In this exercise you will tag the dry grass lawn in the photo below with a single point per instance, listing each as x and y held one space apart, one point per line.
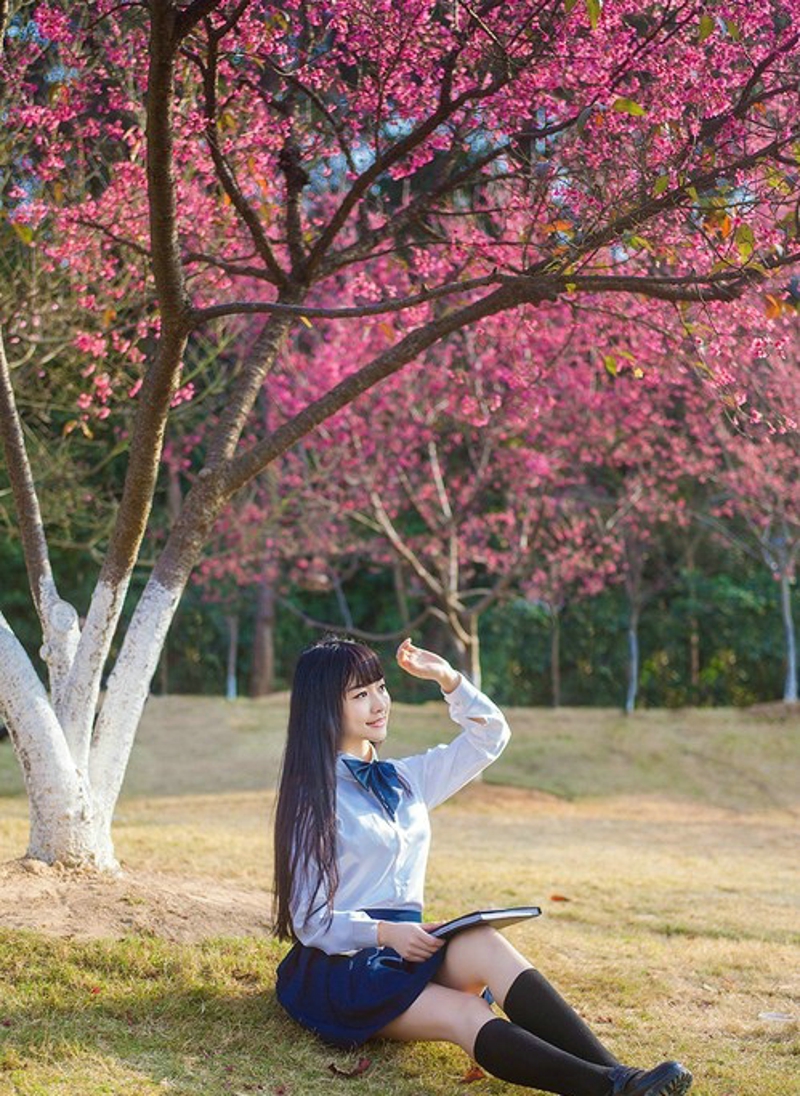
671 917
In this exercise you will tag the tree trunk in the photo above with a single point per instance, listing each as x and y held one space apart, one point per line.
790 684
72 791
555 656
468 649
694 625
262 674
64 822
232 620
633 661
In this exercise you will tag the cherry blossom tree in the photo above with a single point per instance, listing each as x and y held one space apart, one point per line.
447 472
417 167
642 422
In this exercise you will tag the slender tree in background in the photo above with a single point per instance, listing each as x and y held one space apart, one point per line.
758 454
413 165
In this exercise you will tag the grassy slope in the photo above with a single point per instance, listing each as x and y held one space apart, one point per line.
679 935
724 756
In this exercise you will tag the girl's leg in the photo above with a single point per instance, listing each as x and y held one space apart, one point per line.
482 957
441 1014
503 1048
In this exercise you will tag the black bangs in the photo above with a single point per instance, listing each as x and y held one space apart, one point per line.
365 666
338 664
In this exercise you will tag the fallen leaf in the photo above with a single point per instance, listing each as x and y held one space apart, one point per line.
559 898
361 1067
474 1073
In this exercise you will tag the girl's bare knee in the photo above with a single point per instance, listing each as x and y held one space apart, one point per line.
472 1015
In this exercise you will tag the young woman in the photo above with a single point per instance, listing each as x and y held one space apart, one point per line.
351 845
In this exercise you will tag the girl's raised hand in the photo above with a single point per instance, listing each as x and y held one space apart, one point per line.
427 665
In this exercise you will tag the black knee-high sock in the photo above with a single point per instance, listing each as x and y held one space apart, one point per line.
539 1008
513 1054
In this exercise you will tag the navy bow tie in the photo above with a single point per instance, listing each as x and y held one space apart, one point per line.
381 779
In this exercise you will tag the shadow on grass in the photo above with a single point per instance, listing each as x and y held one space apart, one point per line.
142 1016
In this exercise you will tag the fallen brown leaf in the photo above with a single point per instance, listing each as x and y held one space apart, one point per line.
361 1067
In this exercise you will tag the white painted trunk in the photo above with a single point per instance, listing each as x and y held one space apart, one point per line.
73 786
63 820
633 665
127 690
61 638
790 683
82 687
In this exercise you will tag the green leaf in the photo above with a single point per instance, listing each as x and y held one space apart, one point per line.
721 266
628 106
610 362
25 232
706 28
745 242
660 185
692 192
569 5
594 7
733 30
640 243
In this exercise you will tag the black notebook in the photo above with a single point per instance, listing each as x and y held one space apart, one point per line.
499 919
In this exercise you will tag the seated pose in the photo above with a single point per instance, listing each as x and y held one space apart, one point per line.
351 845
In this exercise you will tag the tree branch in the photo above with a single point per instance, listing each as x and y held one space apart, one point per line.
226 176
673 199
4 13
395 304
444 110
356 633
58 618
26 501
386 525
256 459
723 286
190 16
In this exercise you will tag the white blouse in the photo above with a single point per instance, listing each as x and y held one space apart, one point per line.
381 861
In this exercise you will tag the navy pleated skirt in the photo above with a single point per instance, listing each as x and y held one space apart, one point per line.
346 999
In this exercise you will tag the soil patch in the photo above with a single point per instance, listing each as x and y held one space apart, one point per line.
83 905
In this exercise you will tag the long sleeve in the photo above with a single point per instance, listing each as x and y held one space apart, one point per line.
443 770
346 931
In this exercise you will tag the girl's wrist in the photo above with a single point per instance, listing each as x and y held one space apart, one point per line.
450 681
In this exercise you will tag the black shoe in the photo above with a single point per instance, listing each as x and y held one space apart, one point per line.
668 1079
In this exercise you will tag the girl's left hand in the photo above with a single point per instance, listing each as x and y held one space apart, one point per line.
427 665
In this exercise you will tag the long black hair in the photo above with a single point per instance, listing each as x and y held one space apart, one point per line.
305 816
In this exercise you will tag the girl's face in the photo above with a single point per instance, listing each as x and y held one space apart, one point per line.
365 717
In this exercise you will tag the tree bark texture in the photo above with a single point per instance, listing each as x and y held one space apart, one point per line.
262 675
